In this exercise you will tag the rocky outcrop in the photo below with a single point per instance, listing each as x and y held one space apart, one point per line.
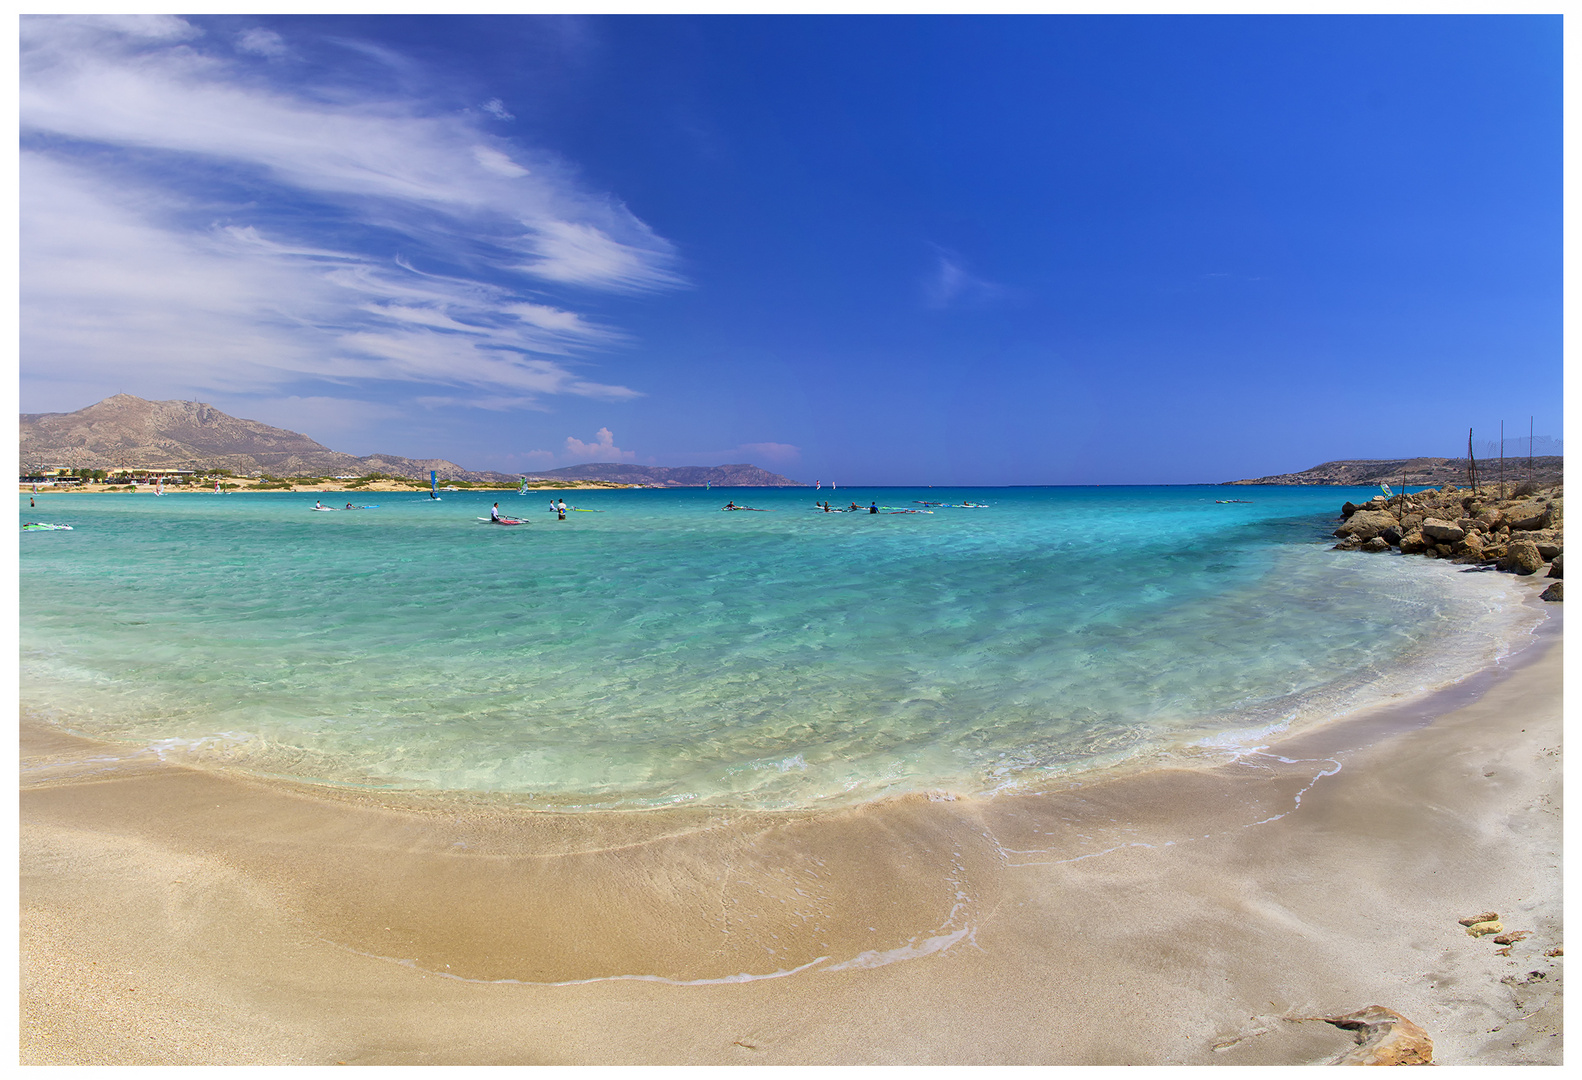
1366 524
1442 532
1522 557
1528 517
1518 535
1384 1037
1555 592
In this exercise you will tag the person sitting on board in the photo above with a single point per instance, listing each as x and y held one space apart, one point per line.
348 506
318 504
494 514
730 504
853 506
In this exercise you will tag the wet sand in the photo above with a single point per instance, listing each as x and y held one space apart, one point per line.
172 915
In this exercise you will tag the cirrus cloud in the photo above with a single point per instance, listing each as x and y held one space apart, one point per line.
189 216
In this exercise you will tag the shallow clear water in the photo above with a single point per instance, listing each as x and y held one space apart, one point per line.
664 652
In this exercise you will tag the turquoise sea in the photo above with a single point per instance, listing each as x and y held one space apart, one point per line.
661 652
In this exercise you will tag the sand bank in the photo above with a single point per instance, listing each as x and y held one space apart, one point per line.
178 916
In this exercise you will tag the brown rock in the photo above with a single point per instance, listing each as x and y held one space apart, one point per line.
1525 517
1442 532
1471 547
1554 567
1376 545
1384 1037
1555 592
1350 543
1413 541
1487 916
1412 520
1556 951
1521 557
1511 937
1492 518
1484 929
1366 524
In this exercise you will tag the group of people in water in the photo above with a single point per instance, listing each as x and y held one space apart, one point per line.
873 508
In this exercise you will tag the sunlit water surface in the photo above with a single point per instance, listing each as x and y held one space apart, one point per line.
662 652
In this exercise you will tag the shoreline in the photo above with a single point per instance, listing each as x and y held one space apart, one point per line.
176 915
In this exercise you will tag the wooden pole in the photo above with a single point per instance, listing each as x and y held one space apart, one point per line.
1472 464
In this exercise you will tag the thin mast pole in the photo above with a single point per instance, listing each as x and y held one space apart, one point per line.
1472 464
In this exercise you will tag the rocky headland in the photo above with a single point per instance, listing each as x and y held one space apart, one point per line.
1520 531
1359 472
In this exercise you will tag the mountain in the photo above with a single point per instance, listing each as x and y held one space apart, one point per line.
129 432
1435 471
662 476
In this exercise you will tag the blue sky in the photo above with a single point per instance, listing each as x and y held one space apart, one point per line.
1015 250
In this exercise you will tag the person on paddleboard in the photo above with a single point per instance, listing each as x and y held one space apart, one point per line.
494 514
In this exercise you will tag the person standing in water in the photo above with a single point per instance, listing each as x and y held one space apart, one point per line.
873 507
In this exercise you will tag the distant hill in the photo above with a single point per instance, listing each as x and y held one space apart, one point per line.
1428 471
662 476
130 432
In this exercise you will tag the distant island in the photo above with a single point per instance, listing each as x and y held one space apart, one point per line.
125 434
1425 471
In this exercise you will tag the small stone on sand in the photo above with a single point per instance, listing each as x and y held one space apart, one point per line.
1481 929
1384 1037
1487 916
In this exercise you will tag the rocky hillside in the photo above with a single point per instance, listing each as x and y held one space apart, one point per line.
662 476
129 432
1415 471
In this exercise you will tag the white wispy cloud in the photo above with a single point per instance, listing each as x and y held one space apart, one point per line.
951 284
263 42
602 448
183 215
496 108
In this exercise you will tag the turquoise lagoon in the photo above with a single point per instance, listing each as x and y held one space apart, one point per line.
661 652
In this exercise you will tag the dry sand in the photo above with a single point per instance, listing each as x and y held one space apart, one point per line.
1190 916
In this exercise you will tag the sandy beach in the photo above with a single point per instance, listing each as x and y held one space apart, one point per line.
171 915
